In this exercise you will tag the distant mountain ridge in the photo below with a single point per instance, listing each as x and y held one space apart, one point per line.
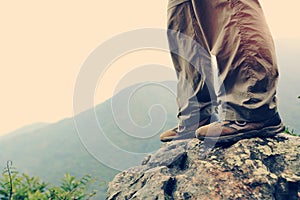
26 129
52 150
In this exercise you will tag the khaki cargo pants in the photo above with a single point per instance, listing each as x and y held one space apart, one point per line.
236 33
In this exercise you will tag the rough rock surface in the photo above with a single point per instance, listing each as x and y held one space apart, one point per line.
254 168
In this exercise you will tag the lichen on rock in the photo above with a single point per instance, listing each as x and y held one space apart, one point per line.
257 168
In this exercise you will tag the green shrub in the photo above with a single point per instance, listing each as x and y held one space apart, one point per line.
16 186
291 132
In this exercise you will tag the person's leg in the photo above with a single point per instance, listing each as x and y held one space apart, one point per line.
247 65
196 97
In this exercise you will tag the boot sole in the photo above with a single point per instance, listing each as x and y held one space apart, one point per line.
269 131
188 135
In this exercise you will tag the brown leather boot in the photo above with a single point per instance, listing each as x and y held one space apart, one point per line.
179 132
231 131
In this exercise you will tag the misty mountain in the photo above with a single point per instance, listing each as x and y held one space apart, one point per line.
49 151
288 53
26 129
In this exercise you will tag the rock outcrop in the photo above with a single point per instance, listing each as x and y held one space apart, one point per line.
254 168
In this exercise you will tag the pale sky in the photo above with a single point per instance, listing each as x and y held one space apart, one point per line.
44 43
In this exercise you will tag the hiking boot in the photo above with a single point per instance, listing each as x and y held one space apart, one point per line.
180 132
231 131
